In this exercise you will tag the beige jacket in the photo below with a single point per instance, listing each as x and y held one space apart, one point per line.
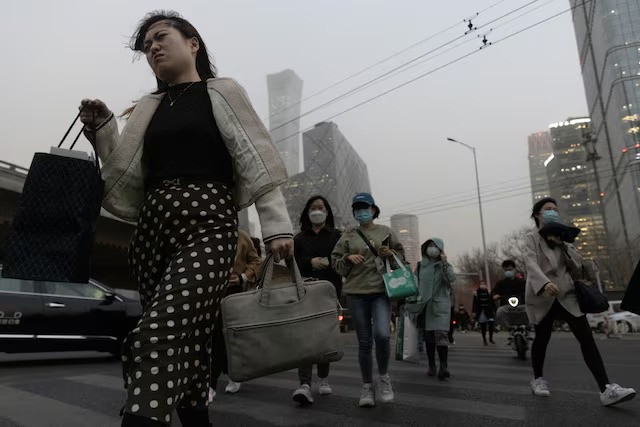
545 265
257 166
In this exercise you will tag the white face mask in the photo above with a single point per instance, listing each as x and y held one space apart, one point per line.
433 252
317 217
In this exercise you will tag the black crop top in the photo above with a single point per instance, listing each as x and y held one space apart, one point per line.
183 140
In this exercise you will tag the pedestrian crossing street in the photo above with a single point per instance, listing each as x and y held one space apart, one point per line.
488 387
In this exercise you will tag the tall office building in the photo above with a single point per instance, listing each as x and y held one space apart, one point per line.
540 154
608 36
572 184
407 230
285 96
333 169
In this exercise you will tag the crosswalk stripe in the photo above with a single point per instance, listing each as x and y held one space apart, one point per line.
427 402
457 383
287 414
493 410
33 410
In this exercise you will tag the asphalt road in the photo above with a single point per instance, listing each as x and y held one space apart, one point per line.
489 387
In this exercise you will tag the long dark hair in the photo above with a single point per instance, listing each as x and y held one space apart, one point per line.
204 65
537 208
305 222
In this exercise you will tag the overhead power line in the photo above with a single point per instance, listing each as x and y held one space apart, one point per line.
382 61
432 71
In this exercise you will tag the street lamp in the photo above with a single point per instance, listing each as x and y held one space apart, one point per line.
484 241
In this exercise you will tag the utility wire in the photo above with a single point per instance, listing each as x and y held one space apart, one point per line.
352 91
382 61
435 70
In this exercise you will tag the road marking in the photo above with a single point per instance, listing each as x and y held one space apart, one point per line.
493 410
33 410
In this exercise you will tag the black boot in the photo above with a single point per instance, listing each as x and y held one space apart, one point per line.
443 373
194 417
431 357
491 330
130 420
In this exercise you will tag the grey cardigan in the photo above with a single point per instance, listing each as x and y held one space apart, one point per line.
545 265
258 168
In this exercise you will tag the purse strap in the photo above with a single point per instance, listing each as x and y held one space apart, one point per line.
267 275
361 234
94 133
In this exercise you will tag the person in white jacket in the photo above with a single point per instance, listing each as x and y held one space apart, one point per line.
191 154
552 268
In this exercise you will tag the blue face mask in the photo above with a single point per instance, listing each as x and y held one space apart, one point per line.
549 217
509 274
364 216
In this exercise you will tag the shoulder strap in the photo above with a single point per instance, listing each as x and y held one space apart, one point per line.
373 250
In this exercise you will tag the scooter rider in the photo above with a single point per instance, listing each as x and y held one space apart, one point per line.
510 286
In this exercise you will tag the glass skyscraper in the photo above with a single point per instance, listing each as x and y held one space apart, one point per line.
406 227
608 36
572 184
285 96
333 169
540 154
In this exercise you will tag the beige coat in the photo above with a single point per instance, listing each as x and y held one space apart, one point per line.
546 265
258 168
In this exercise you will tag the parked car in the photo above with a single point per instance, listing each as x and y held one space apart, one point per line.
56 316
625 321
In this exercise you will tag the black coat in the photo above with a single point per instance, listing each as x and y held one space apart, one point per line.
483 302
310 245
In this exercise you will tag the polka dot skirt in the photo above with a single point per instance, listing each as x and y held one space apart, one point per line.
181 254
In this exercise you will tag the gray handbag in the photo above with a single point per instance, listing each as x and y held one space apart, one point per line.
280 327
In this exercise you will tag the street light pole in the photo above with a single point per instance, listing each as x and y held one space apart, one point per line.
484 241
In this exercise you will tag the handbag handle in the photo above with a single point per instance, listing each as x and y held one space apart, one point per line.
398 261
84 127
267 275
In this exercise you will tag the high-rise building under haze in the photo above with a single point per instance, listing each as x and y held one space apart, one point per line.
540 154
285 96
333 169
407 230
572 183
608 36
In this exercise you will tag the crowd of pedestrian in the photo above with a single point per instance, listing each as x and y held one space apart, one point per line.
189 157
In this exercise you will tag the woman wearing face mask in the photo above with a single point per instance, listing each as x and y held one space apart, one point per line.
435 277
484 308
552 268
357 257
313 246
190 155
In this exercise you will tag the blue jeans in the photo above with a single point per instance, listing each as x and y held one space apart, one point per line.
367 310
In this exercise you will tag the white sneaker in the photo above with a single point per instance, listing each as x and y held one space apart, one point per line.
386 392
232 387
212 394
540 387
303 395
325 388
615 394
367 399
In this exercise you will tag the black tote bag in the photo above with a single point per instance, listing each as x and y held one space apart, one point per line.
53 230
590 299
631 300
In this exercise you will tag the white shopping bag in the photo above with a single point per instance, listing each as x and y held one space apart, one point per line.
410 349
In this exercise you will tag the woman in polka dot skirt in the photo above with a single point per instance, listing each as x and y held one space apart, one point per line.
190 155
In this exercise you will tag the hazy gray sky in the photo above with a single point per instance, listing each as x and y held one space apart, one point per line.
57 53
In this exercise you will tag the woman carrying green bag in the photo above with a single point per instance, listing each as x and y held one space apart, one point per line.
435 276
358 257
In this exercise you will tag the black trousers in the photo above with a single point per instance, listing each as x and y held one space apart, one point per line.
581 330
305 374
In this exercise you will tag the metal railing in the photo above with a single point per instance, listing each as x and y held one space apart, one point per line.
13 169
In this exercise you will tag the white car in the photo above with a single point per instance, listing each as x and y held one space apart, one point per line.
626 321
